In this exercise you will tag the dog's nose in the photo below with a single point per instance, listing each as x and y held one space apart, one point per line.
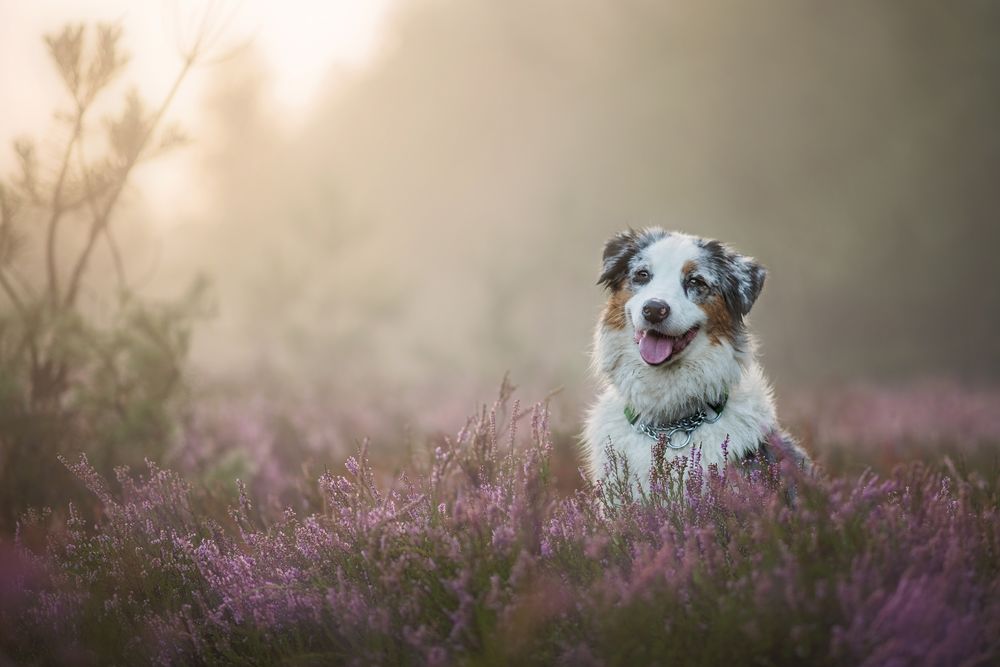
655 311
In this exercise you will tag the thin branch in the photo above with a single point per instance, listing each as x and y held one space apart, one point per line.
223 24
116 257
231 53
215 21
91 199
209 31
6 234
57 210
101 220
71 205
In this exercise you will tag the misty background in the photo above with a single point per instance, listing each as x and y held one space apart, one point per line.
433 215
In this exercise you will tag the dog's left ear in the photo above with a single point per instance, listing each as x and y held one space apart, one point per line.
618 252
741 278
746 280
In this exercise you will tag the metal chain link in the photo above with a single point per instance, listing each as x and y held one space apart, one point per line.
686 425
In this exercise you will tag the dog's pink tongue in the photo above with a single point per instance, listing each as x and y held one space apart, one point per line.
655 349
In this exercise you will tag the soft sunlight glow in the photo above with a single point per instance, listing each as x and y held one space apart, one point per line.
299 42
302 40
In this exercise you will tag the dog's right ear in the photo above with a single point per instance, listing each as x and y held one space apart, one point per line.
618 252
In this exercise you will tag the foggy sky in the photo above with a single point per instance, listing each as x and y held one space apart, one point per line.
439 217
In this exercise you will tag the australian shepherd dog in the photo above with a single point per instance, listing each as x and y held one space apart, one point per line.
675 357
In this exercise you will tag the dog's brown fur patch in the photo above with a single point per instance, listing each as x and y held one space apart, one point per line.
688 268
614 312
720 320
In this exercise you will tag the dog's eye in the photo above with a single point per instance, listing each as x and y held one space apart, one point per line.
641 276
695 283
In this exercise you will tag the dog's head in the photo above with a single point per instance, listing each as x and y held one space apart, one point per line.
675 300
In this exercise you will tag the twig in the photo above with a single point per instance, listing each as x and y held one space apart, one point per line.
92 203
116 257
6 225
209 32
101 221
57 210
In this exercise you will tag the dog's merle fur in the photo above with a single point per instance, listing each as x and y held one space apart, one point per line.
709 288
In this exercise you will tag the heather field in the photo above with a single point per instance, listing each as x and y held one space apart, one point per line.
262 265
488 547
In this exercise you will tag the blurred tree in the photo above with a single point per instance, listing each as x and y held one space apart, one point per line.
73 378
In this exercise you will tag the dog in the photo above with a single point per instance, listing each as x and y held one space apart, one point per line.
676 359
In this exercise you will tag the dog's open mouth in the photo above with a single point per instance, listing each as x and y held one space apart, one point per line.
655 348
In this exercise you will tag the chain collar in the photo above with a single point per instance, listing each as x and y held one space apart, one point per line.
686 425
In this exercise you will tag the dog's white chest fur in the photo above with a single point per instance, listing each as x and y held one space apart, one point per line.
748 417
